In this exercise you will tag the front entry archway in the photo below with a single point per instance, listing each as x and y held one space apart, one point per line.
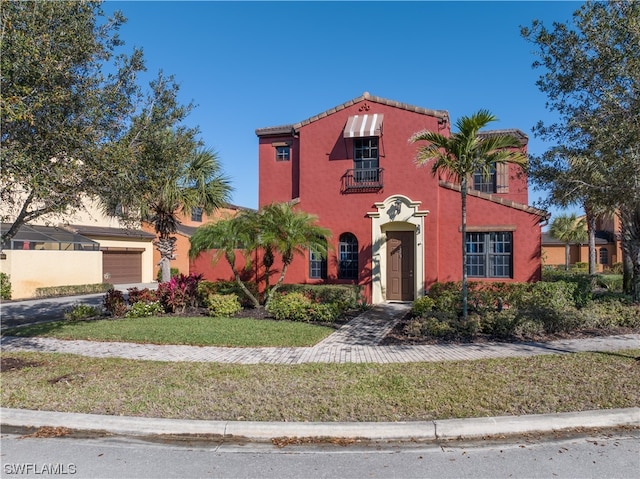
400 265
397 239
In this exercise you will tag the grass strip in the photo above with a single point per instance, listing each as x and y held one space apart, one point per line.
194 331
322 392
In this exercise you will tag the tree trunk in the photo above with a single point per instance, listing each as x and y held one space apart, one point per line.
273 290
165 269
567 247
232 263
465 291
166 246
591 229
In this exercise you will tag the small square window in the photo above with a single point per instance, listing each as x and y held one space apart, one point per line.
283 153
196 215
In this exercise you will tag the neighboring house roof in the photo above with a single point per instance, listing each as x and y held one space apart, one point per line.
498 199
103 231
548 240
187 230
47 234
291 128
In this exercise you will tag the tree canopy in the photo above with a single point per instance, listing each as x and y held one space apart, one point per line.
591 76
76 123
58 106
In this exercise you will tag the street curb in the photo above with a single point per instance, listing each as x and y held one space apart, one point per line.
261 431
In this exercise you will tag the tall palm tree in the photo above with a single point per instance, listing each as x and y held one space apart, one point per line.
194 182
289 232
461 155
568 229
225 237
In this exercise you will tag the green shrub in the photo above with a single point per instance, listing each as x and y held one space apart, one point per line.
611 313
81 311
143 309
223 304
344 297
612 282
437 326
447 297
5 286
550 304
205 288
500 324
114 303
291 306
617 268
422 306
325 313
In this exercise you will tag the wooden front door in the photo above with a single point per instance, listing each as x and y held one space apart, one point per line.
400 264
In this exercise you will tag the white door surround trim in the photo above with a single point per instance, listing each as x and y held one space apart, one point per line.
395 213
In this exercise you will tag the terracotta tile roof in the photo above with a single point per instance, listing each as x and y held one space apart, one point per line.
290 128
498 199
519 134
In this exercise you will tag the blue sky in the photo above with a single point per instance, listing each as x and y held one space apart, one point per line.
249 65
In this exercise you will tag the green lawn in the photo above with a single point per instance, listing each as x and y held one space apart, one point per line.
321 392
196 331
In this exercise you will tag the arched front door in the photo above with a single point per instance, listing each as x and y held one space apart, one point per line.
400 265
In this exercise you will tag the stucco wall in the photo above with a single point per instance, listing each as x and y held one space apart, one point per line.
33 269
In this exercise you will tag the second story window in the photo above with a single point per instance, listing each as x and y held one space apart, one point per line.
196 214
366 159
483 183
283 153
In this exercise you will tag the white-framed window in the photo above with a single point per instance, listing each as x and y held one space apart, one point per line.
283 153
317 264
490 254
366 160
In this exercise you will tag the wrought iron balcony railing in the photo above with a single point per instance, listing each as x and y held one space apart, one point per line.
362 180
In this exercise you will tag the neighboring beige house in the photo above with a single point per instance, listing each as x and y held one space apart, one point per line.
608 247
85 247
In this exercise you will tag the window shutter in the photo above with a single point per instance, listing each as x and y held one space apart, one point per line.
502 178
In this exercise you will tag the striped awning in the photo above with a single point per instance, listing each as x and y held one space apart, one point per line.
364 125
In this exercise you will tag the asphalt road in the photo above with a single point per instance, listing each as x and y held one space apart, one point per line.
604 454
14 313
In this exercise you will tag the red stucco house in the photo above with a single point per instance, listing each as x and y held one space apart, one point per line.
395 227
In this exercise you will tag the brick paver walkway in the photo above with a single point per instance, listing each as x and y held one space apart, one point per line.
356 342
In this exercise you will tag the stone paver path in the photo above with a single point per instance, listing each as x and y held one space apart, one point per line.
356 342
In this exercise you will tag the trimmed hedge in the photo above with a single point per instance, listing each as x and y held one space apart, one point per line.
74 290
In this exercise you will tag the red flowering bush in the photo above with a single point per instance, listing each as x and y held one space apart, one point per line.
179 293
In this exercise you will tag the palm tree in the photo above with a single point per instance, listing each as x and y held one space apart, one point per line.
225 237
195 182
461 155
287 232
568 229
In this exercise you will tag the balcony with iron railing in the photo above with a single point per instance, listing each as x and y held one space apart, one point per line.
362 180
